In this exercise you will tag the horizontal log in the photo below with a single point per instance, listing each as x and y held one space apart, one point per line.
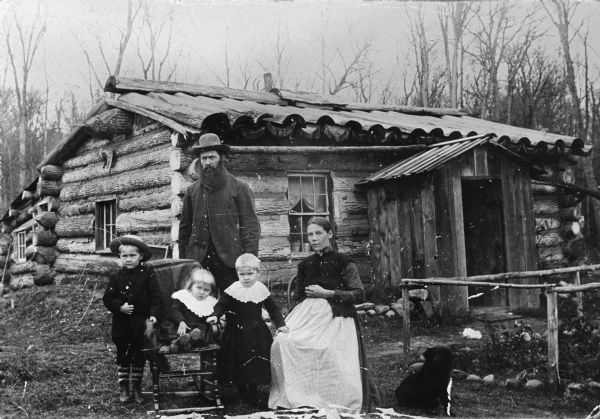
325 149
439 281
274 228
570 213
346 181
47 219
44 238
545 205
22 267
138 200
260 183
143 179
353 248
51 172
143 221
352 228
151 199
76 245
76 226
551 254
271 247
86 264
18 282
109 123
304 161
157 237
542 189
178 160
273 273
278 204
48 188
578 288
349 203
549 238
546 223
133 145
158 155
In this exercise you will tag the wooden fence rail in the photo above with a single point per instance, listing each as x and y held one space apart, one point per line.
551 291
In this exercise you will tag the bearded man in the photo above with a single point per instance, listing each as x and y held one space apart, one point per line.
218 220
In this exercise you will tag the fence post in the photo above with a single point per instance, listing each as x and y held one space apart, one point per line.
578 295
552 310
406 324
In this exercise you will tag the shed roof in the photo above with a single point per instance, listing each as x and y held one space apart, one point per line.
434 157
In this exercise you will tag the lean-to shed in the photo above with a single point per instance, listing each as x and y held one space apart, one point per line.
127 166
460 208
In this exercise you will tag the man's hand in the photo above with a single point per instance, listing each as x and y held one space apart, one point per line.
126 308
212 320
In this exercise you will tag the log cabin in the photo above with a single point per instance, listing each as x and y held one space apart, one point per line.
126 167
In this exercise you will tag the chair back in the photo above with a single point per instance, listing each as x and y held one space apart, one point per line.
172 275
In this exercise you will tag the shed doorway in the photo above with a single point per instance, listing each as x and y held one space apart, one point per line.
484 237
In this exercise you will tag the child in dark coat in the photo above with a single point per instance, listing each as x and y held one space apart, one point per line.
189 309
246 343
132 296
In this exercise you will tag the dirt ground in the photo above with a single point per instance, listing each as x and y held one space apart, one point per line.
57 361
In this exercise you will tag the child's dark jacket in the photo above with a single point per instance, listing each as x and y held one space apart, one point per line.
139 287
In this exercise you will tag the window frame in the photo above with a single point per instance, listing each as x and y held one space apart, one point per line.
102 237
304 247
21 245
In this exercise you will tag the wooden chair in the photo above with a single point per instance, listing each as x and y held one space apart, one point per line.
197 365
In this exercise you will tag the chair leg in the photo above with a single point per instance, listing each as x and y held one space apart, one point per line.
154 368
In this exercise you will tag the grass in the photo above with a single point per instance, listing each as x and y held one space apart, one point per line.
57 361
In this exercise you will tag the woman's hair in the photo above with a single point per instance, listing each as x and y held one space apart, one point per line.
202 276
321 222
249 260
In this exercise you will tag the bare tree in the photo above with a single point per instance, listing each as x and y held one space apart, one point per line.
152 60
561 13
454 17
111 67
422 49
26 45
226 80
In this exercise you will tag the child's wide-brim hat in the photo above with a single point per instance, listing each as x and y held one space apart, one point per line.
208 142
131 240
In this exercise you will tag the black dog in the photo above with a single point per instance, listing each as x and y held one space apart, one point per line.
429 386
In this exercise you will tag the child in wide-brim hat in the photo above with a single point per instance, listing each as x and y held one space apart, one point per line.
132 296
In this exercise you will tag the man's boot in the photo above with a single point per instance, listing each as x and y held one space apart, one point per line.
123 376
136 384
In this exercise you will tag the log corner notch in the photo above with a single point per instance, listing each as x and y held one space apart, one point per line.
51 172
47 187
109 123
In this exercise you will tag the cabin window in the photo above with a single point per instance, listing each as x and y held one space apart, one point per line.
308 196
106 218
21 245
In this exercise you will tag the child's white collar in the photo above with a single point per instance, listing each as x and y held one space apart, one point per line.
200 308
257 293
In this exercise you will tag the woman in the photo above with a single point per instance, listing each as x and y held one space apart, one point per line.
317 363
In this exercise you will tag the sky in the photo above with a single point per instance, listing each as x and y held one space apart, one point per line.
248 28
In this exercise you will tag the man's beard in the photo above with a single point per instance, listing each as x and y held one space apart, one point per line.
212 174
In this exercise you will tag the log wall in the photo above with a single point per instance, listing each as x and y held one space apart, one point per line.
135 170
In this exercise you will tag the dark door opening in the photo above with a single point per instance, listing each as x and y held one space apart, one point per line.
484 237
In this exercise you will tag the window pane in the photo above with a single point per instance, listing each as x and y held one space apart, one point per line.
320 187
307 186
321 205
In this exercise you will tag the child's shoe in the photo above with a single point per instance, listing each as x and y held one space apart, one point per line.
124 392
182 343
197 337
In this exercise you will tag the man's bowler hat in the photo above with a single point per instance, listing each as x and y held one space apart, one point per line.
208 142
